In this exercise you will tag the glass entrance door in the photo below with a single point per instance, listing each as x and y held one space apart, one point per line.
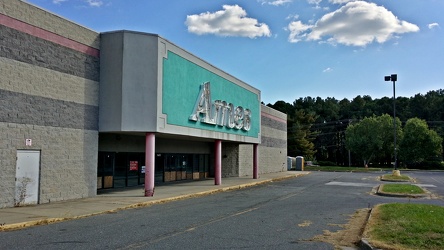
179 167
126 169
105 170
159 167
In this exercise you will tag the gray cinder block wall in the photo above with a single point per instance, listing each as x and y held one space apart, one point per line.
49 92
273 147
272 150
49 89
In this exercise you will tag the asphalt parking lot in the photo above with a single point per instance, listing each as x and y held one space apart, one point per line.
285 214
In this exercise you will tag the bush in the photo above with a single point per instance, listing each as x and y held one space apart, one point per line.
433 165
427 165
326 163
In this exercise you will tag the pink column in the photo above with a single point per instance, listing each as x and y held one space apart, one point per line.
255 161
217 162
149 163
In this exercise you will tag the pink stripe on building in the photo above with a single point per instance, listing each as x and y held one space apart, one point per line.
273 117
47 35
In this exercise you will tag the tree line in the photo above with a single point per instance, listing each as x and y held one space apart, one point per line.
317 127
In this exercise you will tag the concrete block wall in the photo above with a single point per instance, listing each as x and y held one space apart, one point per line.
27 13
246 160
49 93
230 160
273 148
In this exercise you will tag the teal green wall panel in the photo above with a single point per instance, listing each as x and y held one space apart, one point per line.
182 80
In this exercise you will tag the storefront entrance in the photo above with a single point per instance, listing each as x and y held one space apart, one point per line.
126 169
184 167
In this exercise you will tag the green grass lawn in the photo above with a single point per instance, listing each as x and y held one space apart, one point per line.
402 189
391 177
340 169
407 226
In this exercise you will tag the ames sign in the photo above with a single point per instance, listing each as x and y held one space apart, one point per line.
219 112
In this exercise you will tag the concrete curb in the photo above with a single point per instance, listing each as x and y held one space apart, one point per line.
364 243
382 193
381 179
21 225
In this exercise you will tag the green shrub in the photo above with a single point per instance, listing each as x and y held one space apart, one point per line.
427 165
326 163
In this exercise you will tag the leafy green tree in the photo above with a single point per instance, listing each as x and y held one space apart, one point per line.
357 107
386 131
419 142
327 110
384 106
402 108
417 106
300 137
344 109
363 139
333 116
371 137
282 106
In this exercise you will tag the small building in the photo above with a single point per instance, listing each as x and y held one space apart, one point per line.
83 111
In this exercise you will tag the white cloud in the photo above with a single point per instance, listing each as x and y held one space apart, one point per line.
231 21
94 3
315 2
292 16
58 1
297 30
327 70
433 25
357 23
340 1
275 2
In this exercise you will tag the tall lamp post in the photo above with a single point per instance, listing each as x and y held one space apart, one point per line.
393 78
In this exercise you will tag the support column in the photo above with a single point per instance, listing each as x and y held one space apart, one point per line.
217 162
150 146
255 161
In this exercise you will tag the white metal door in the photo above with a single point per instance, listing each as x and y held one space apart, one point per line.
27 177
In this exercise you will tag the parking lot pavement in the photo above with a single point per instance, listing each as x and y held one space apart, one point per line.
119 199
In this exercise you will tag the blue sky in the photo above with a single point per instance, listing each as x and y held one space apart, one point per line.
291 48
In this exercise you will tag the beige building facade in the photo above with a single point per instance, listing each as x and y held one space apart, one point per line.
64 135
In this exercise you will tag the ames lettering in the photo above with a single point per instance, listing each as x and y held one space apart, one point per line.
219 112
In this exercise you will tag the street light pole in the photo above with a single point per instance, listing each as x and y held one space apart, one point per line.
393 78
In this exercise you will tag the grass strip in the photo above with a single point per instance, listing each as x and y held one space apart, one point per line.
402 189
391 177
340 169
407 226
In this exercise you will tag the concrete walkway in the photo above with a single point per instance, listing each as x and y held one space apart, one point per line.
115 200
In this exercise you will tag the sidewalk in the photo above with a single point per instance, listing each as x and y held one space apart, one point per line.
114 200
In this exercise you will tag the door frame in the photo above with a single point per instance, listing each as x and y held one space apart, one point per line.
27 177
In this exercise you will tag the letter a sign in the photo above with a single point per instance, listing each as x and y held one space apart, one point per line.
219 112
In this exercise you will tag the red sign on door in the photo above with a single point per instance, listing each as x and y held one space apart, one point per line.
134 165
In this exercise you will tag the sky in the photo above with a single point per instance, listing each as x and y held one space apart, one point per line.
291 49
